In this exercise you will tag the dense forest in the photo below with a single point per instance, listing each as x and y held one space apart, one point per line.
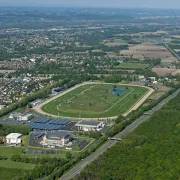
150 152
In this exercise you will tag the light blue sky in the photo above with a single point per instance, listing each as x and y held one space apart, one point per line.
96 3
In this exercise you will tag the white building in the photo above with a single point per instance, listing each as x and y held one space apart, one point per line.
90 125
141 78
21 116
152 79
13 139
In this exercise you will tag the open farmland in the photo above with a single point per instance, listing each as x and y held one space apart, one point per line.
165 71
169 59
95 101
115 42
146 51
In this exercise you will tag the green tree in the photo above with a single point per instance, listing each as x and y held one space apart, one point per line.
68 155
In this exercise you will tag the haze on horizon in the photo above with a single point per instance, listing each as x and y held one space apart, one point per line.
165 4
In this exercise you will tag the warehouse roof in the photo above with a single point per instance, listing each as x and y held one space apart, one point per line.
89 123
58 135
13 135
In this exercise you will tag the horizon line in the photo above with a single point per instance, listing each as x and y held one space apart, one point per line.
88 7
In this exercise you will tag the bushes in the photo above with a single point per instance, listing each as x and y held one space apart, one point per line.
68 155
3 158
6 129
45 166
18 158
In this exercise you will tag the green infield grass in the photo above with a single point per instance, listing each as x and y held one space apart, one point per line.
95 101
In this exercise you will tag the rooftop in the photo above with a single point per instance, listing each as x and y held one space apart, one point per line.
89 123
58 135
13 135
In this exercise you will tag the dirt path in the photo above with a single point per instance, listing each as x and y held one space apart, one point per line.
38 108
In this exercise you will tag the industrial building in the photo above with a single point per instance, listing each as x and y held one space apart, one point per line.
57 139
13 139
85 125
21 116
45 124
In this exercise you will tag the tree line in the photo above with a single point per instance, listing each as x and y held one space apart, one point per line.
150 152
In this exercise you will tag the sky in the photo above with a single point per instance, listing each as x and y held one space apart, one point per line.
167 4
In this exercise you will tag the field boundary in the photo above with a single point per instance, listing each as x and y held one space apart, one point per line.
38 108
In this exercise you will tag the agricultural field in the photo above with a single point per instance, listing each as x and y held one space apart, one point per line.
133 66
147 51
165 71
116 42
95 101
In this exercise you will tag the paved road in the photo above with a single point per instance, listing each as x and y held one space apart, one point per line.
38 108
80 166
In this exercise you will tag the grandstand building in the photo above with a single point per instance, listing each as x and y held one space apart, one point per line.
57 139
89 125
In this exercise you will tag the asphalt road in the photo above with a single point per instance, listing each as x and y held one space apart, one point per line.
81 165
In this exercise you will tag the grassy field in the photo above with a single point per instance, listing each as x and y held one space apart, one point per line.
10 151
9 174
16 165
95 101
133 66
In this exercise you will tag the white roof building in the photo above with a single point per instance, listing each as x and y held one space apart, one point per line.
85 125
21 116
13 138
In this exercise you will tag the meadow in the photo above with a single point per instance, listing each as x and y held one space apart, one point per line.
95 101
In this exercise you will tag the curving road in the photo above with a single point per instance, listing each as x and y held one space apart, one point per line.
38 108
81 165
